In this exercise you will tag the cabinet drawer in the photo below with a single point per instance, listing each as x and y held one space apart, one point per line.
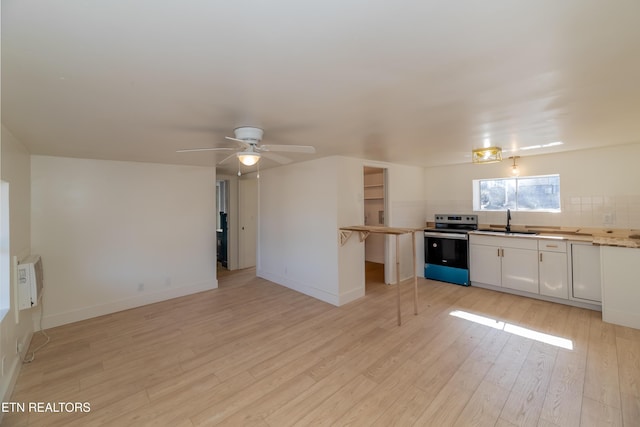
552 245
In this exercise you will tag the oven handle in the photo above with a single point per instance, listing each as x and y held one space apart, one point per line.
455 236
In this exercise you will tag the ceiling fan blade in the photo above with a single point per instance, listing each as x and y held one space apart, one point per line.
278 158
189 150
227 158
308 149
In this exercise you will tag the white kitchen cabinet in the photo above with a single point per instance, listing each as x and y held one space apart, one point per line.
520 269
485 264
585 272
620 290
507 262
553 268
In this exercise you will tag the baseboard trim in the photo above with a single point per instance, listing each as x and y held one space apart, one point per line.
14 372
314 292
352 295
124 304
570 302
623 318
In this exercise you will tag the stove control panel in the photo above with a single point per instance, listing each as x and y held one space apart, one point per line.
456 219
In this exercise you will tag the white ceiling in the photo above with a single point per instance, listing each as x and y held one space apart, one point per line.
413 82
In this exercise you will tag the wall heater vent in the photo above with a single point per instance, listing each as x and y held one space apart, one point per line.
30 281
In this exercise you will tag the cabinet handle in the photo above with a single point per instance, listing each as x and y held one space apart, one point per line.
540 256
498 252
551 246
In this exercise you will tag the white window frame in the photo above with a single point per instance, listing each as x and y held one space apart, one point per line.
476 194
5 248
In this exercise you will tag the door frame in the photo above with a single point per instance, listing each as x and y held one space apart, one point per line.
389 264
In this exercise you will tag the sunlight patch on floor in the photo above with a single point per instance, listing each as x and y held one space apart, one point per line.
516 330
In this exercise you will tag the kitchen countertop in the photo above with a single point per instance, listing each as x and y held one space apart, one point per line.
627 238
629 241
616 241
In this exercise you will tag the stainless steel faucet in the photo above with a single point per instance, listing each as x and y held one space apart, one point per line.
508 227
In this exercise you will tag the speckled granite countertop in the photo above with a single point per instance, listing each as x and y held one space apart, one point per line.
616 241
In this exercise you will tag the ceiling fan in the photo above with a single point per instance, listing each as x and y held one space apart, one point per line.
251 150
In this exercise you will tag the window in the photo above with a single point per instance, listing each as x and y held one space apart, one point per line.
527 193
5 265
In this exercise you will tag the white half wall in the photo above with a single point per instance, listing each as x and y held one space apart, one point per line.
115 235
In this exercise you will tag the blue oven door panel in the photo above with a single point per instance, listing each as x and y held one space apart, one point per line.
446 258
459 276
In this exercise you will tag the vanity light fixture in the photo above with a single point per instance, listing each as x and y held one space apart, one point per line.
486 155
515 171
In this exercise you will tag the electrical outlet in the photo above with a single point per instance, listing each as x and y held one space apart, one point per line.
608 219
18 347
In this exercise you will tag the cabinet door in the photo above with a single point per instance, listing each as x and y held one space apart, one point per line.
484 264
585 261
520 269
553 274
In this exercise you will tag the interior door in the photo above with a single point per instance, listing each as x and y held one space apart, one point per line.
248 222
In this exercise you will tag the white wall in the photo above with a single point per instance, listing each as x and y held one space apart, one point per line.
407 208
115 235
349 190
303 205
592 183
15 326
297 230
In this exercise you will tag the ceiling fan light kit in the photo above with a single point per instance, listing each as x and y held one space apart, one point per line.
251 150
248 158
486 155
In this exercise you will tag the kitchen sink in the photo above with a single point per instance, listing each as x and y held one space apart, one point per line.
510 233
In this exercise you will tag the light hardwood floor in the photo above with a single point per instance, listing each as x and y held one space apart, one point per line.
255 353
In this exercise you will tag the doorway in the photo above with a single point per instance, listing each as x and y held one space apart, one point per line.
375 180
222 223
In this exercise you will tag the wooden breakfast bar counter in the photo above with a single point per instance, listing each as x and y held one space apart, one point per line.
365 230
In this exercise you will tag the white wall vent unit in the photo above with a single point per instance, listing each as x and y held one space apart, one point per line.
29 282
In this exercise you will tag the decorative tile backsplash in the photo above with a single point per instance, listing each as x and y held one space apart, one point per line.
577 211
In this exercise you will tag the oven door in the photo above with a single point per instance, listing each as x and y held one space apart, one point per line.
446 249
446 257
